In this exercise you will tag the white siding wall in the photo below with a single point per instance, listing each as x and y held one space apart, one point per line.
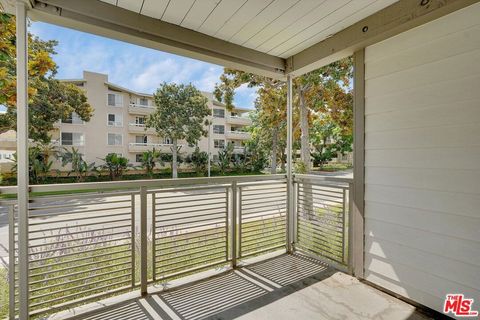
422 196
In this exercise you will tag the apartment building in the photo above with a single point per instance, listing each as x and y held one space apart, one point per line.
118 124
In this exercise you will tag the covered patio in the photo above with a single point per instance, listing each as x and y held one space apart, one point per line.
406 224
276 288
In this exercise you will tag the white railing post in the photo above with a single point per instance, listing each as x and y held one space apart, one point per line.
132 238
11 261
350 229
143 241
22 155
233 247
290 189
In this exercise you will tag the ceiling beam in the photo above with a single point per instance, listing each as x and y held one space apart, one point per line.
103 19
388 22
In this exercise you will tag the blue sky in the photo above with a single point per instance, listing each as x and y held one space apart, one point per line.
137 68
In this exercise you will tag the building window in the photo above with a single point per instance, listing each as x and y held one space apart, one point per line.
115 120
115 100
141 139
72 139
138 157
115 139
143 101
167 141
218 144
140 120
220 129
218 113
73 118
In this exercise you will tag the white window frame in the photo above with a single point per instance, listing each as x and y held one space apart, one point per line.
219 125
117 134
144 139
117 104
137 120
73 139
115 123
167 141
217 147
76 120
213 113
143 105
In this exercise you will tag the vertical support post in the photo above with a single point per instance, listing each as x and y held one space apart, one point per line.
154 227
239 245
132 238
350 233
357 221
344 226
234 224
11 262
22 155
227 225
143 241
290 190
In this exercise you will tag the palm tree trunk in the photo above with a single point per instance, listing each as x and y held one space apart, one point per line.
174 159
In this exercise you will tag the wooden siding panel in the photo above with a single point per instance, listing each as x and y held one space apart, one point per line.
422 157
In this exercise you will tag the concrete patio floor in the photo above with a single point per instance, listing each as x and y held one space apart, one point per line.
283 287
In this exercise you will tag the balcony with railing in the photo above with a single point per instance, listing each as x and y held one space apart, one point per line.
239 120
140 109
142 147
237 135
238 149
135 235
140 128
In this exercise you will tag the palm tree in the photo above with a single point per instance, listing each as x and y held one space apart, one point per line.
149 160
79 167
115 165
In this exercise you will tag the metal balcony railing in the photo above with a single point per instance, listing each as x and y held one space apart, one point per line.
86 245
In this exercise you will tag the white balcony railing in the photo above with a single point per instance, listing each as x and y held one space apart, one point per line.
240 135
124 235
238 120
135 108
140 128
238 149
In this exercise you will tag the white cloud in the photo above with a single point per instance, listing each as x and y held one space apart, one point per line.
131 66
208 79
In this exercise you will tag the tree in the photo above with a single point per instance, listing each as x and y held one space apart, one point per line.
181 114
199 160
270 116
325 90
149 160
225 158
322 91
329 140
115 165
49 100
79 167
255 155
39 163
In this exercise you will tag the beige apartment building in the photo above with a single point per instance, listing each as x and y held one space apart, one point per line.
118 124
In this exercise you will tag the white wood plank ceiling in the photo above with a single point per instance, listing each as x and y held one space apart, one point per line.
277 27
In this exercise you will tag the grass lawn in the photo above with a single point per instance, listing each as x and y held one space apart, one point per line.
3 293
333 167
